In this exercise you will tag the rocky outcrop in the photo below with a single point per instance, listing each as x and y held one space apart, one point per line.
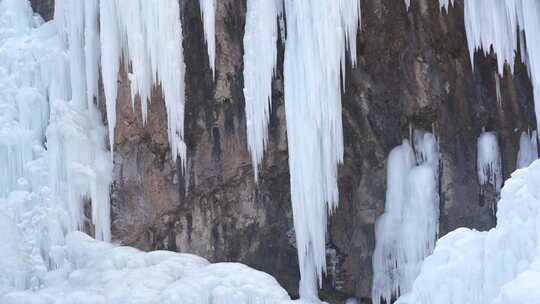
413 73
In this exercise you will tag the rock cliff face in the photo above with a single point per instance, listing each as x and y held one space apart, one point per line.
413 73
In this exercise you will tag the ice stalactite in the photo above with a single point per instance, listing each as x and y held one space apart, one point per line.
528 149
506 26
446 4
79 165
406 233
208 12
315 48
489 164
128 31
498 89
260 58
407 4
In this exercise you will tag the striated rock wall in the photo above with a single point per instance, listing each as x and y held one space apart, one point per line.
413 72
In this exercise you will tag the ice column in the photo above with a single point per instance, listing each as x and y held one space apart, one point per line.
317 36
79 165
406 232
208 11
528 150
260 58
489 165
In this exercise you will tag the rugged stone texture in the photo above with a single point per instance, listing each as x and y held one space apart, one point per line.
413 73
43 7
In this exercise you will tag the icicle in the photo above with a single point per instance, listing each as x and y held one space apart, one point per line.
91 49
407 4
128 30
260 58
411 208
314 57
528 150
446 4
110 65
78 163
498 89
489 164
208 11
498 25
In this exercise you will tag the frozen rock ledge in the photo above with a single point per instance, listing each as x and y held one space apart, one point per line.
94 272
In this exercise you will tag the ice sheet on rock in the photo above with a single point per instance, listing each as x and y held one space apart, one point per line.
406 232
318 35
260 59
98 272
499 266
489 163
528 149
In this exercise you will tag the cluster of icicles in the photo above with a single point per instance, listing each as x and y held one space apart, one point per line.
112 34
507 27
116 33
318 34
411 209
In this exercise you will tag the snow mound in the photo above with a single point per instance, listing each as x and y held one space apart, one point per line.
500 266
98 273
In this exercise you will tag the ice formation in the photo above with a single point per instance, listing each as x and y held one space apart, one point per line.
128 31
488 162
406 233
208 12
52 141
446 4
506 26
528 149
260 58
53 161
318 34
500 266
95 272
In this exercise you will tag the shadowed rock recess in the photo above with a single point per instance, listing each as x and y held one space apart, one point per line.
413 73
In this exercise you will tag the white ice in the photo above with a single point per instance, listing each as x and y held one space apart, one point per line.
128 31
260 59
446 4
489 163
407 230
500 266
93 272
318 35
208 12
54 163
528 149
506 26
